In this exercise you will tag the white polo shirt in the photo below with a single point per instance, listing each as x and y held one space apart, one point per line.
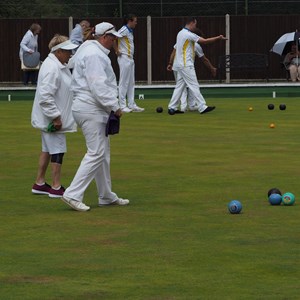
185 49
125 43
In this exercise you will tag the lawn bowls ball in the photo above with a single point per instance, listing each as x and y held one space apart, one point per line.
275 199
159 109
288 199
271 106
282 107
250 108
235 207
274 191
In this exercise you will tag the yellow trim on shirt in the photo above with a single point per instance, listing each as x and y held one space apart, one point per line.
193 49
128 45
185 45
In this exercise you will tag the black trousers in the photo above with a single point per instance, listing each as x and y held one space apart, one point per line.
30 76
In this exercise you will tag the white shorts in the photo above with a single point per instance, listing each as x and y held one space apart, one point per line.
54 143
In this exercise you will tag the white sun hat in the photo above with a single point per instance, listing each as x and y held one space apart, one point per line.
67 45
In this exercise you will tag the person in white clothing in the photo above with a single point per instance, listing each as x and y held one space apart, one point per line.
52 114
184 65
125 53
292 63
29 44
187 100
76 35
95 96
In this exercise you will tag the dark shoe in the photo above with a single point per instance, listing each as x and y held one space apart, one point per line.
208 109
171 111
56 193
41 189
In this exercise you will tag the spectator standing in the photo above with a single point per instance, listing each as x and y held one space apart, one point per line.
125 53
95 97
52 114
29 45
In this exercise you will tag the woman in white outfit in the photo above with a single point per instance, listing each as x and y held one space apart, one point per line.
29 44
52 114
292 63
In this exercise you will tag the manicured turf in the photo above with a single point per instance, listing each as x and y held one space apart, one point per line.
176 240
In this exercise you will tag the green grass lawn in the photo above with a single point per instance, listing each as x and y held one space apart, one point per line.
176 240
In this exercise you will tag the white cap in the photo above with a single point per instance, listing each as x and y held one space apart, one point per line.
67 45
106 28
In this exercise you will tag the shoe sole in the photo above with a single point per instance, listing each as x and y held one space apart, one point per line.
36 192
115 203
54 196
75 208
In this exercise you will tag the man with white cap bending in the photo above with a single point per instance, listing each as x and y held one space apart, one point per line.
95 97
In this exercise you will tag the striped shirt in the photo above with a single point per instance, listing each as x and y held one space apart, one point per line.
125 43
185 49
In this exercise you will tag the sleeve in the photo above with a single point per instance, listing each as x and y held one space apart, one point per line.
99 83
76 36
25 41
199 50
123 31
194 37
48 86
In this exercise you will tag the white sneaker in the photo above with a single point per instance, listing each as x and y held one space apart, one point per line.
126 110
193 108
118 201
77 205
137 109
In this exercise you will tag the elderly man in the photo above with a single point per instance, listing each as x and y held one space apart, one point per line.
95 97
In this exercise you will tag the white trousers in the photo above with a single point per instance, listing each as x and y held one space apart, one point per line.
186 77
126 81
96 162
187 99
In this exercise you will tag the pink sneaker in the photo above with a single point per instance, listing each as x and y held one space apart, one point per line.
56 193
41 189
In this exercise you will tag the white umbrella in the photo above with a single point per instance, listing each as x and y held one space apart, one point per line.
284 43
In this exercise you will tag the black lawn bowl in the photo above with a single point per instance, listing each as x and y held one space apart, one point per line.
282 107
274 191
